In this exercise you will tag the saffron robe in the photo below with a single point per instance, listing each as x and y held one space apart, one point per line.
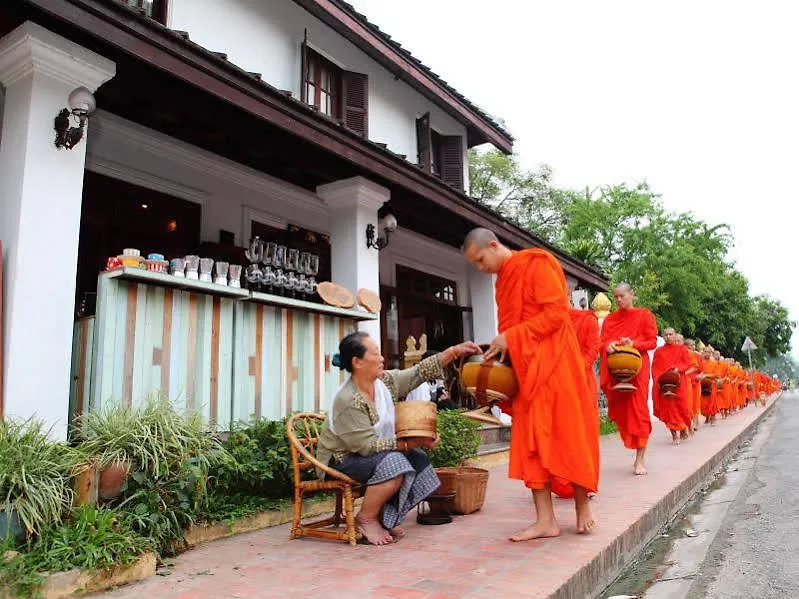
674 412
696 385
586 327
555 428
710 406
629 410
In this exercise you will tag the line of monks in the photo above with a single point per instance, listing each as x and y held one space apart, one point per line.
552 349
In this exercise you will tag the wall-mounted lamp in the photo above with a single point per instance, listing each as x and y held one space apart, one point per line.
387 224
81 105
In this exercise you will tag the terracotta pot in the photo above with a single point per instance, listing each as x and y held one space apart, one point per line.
111 479
416 419
624 364
488 381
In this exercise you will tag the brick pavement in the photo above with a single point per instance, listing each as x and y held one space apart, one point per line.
470 557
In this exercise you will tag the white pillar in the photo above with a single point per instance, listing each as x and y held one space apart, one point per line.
484 306
40 205
353 204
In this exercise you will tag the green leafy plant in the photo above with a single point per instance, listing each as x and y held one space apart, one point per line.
459 439
154 437
91 538
35 474
606 426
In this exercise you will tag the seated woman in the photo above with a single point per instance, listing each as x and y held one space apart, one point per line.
358 438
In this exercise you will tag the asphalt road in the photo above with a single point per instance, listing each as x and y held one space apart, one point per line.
756 551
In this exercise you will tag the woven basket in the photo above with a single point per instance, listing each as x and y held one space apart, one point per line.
469 485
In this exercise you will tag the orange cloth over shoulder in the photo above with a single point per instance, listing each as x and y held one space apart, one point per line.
629 410
586 327
710 406
674 412
555 429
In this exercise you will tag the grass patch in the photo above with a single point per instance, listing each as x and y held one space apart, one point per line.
606 426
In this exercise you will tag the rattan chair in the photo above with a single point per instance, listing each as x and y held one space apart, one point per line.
303 432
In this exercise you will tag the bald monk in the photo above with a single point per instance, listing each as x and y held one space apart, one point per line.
586 327
554 432
629 325
674 412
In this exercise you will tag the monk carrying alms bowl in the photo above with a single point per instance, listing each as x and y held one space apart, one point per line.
624 364
487 381
668 383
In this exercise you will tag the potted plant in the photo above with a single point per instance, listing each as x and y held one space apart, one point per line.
35 477
459 439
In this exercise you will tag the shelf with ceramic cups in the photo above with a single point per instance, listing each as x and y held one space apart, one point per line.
299 304
167 280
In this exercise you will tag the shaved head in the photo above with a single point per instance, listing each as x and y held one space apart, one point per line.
479 238
625 287
482 248
624 296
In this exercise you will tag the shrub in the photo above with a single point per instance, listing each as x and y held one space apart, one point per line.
459 439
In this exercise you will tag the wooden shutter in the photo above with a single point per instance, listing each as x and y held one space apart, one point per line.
452 160
355 102
304 69
424 143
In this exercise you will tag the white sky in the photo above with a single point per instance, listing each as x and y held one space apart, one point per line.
699 98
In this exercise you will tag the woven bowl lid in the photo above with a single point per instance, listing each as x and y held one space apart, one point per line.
369 300
335 295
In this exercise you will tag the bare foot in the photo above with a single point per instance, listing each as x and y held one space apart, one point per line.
639 469
585 519
539 530
397 532
373 532
684 434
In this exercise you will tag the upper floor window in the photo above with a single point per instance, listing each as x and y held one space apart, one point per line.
155 9
339 94
439 155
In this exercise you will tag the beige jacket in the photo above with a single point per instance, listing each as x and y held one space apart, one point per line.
354 416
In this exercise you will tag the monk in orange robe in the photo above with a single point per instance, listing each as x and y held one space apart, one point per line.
710 407
674 412
586 326
555 430
629 409
695 382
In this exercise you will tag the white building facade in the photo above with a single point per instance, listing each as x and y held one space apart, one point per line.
218 120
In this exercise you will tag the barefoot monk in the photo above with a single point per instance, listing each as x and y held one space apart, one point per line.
672 410
635 327
555 432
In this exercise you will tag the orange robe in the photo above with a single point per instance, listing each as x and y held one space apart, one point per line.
586 326
674 412
710 406
555 428
723 398
696 388
629 410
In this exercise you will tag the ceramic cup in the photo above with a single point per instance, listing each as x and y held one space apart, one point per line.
220 270
192 267
178 267
206 265
131 252
234 275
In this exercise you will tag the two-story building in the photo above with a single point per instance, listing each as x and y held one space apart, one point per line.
218 120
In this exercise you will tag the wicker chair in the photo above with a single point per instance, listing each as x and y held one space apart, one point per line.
303 433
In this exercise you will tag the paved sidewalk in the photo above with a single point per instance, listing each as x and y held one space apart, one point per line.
470 557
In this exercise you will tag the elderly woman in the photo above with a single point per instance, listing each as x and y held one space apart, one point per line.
358 436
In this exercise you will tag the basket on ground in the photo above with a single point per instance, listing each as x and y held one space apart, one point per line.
469 485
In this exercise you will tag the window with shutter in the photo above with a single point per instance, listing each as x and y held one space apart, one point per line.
356 102
452 160
424 142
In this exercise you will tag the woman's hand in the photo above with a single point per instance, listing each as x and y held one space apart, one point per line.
467 348
414 442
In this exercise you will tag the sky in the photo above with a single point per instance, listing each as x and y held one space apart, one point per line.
700 99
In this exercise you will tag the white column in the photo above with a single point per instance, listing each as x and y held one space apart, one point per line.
40 205
353 204
484 306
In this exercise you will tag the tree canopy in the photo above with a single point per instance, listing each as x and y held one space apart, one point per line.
678 264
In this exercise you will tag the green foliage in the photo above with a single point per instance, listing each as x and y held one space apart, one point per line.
154 437
678 265
261 461
459 439
35 474
606 426
92 538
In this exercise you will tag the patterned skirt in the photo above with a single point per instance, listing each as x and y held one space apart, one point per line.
420 479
